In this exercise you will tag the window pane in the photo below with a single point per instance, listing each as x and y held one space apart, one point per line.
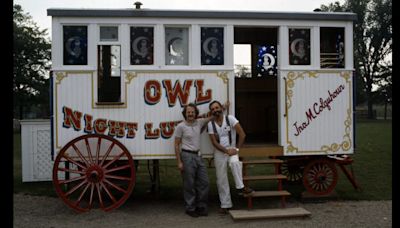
299 46
332 47
177 46
109 80
115 61
75 45
108 33
242 60
266 60
142 45
212 46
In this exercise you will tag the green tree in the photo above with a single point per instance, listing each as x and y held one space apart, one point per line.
372 45
31 53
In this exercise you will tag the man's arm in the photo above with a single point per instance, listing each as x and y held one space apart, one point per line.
242 135
178 142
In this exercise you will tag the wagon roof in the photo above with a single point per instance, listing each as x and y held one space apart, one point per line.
337 16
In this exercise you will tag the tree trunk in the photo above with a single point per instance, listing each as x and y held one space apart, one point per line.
385 108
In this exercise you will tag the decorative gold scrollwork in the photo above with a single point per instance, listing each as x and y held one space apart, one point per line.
60 76
223 76
129 76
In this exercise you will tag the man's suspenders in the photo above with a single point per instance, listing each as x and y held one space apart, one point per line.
216 133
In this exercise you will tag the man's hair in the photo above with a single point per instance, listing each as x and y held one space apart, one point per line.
196 110
213 102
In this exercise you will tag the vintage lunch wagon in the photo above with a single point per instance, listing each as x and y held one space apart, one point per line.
120 78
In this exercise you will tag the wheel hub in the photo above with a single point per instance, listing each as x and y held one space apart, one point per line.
94 174
320 178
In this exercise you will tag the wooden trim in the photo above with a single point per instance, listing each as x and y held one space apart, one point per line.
110 103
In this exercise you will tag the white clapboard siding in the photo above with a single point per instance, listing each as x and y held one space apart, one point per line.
328 131
78 92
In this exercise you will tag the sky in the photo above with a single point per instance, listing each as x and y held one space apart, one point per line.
38 8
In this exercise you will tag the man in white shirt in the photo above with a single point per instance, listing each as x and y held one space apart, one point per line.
222 131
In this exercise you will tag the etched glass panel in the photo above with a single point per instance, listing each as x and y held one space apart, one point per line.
142 45
177 46
299 47
75 45
212 46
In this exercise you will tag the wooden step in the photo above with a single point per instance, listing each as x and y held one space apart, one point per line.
260 150
267 194
265 177
268 213
263 161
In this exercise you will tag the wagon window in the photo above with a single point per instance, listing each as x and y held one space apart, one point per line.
142 45
109 73
75 45
108 33
176 46
332 47
267 60
299 46
212 46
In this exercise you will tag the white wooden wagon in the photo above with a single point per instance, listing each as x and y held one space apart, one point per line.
120 78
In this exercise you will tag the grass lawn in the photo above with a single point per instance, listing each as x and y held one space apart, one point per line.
372 168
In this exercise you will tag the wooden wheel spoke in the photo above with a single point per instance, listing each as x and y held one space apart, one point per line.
73 161
89 151
107 153
71 180
117 168
70 170
91 195
117 177
75 188
82 194
98 151
325 185
80 154
108 192
114 159
99 195
115 186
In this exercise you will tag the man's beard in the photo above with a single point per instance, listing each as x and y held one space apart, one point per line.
217 113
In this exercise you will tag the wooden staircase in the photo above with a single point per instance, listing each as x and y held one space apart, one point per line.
259 155
274 177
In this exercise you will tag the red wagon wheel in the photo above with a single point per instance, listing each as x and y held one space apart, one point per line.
293 169
320 176
94 171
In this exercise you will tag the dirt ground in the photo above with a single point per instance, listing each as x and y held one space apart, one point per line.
49 212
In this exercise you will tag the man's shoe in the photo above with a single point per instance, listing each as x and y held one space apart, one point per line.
201 211
223 211
245 191
192 214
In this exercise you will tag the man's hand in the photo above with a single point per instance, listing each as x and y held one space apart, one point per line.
232 151
180 166
226 105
